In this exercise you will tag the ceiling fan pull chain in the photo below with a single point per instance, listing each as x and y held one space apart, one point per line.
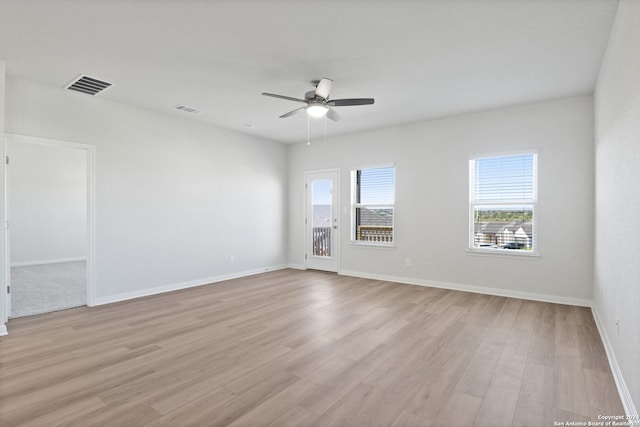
308 132
325 128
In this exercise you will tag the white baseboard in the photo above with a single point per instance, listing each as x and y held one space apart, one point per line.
623 390
184 285
471 288
46 261
296 266
3 329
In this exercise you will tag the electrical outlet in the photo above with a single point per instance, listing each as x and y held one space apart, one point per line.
407 262
231 259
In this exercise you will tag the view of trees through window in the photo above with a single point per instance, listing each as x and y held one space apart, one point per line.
523 215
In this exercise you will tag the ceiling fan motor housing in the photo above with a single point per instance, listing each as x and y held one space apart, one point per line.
310 95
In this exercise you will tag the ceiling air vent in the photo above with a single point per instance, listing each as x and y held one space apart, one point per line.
88 85
187 109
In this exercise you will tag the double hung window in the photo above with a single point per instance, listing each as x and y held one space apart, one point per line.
502 203
372 201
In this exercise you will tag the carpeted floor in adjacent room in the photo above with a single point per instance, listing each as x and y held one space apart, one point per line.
37 289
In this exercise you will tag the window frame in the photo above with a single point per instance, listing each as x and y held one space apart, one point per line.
354 206
533 203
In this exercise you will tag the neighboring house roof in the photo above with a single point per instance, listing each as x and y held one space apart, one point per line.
527 227
491 227
496 227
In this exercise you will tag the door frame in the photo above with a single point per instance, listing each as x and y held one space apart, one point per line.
91 209
335 238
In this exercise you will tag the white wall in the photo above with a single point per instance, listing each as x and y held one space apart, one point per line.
431 160
617 213
174 197
3 284
47 202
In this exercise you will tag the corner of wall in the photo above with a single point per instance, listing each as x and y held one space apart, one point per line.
3 276
615 275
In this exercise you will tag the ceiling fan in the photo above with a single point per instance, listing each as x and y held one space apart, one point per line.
318 102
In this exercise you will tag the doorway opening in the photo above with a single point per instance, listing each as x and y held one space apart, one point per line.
49 236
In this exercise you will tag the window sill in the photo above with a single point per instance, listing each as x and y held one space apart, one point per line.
372 245
504 253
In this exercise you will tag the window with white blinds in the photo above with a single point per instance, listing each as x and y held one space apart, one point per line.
373 199
503 198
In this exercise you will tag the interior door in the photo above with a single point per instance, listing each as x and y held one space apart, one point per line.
322 220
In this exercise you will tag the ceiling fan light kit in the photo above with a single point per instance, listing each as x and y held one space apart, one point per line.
317 110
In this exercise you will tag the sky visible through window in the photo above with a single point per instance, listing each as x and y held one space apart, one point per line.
321 192
376 187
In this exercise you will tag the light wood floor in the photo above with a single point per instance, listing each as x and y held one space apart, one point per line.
307 349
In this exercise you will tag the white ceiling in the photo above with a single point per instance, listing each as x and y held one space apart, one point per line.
418 59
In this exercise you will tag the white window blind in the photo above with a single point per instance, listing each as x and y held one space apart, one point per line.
373 199
503 198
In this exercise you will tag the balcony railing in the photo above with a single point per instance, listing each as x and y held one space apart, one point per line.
375 233
321 241
321 237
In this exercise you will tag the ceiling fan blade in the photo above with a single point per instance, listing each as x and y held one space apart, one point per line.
351 101
324 88
291 113
288 98
333 115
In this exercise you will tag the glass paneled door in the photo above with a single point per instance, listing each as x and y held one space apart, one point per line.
321 220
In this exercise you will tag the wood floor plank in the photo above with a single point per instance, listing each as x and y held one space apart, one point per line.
347 409
570 394
315 384
500 401
334 388
411 420
592 350
306 348
320 390
542 349
15 411
535 400
365 406
195 411
21 385
167 379
132 413
602 393
445 369
241 404
294 417
67 413
477 376
459 410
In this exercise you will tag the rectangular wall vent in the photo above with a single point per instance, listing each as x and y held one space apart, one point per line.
187 109
88 85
